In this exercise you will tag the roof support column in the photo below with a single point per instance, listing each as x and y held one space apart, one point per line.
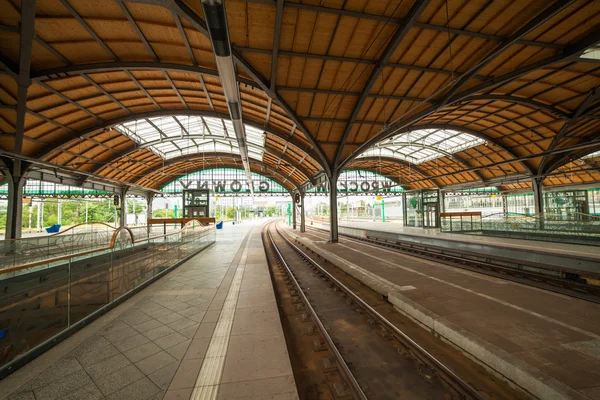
123 208
302 212
538 200
293 211
14 217
149 200
333 217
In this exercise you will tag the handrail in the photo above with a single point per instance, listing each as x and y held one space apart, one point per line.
57 233
111 246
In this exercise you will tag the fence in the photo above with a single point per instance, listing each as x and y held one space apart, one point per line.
44 301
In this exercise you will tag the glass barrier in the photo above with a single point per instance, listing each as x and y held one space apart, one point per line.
43 299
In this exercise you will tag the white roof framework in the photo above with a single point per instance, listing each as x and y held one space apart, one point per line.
175 136
423 145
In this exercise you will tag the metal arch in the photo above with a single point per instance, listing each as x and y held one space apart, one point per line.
535 22
165 113
182 159
568 53
180 7
407 23
566 159
78 69
519 100
454 128
564 130
399 162
212 137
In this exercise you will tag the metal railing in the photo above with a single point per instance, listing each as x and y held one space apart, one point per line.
43 301
77 238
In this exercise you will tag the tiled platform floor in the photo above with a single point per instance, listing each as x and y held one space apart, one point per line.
558 336
215 315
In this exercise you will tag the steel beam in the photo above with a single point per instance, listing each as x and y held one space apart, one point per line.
564 130
540 19
166 113
519 100
276 37
394 161
407 23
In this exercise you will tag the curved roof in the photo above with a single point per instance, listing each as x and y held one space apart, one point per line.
325 82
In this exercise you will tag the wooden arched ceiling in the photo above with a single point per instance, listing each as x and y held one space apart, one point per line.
332 79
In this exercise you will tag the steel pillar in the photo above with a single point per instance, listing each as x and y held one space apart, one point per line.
293 212
302 213
14 217
149 198
538 200
123 208
333 217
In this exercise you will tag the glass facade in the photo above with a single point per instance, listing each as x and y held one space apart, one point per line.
48 189
361 182
421 208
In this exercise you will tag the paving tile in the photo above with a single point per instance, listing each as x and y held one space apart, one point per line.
116 380
187 374
120 334
108 366
88 392
139 390
280 388
158 396
216 305
197 348
159 332
62 367
178 394
94 350
194 310
63 386
22 396
255 320
137 319
259 298
131 342
198 317
155 362
205 329
178 351
181 324
170 340
211 316
141 352
256 356
148 326
158 312
190 331
169 318
163 377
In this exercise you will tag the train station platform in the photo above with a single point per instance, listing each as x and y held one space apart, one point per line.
546 343
209 329
573 258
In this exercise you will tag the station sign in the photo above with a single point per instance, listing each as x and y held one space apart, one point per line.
226 186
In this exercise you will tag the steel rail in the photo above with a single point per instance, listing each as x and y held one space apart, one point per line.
329 341
564 286
444 372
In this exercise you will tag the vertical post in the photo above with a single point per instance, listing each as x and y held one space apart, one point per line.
538 200
149 198
382 210
87 204
333 218
14 218
293 212
302 213
123 208
42 217
442 201
38 226
59 217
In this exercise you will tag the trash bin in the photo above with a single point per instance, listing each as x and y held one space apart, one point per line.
220 225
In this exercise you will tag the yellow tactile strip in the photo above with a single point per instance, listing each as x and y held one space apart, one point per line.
209 378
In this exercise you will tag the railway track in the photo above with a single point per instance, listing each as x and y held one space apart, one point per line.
488 266
375 359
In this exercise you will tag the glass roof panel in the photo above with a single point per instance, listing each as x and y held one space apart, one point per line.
174 136
423 145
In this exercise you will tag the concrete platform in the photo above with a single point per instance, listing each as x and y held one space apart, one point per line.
546 343
210 329
564 257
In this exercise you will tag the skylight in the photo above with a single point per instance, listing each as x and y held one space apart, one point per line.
592 155
175 136
592 53
423 145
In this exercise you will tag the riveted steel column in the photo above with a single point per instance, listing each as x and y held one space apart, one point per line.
333 217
